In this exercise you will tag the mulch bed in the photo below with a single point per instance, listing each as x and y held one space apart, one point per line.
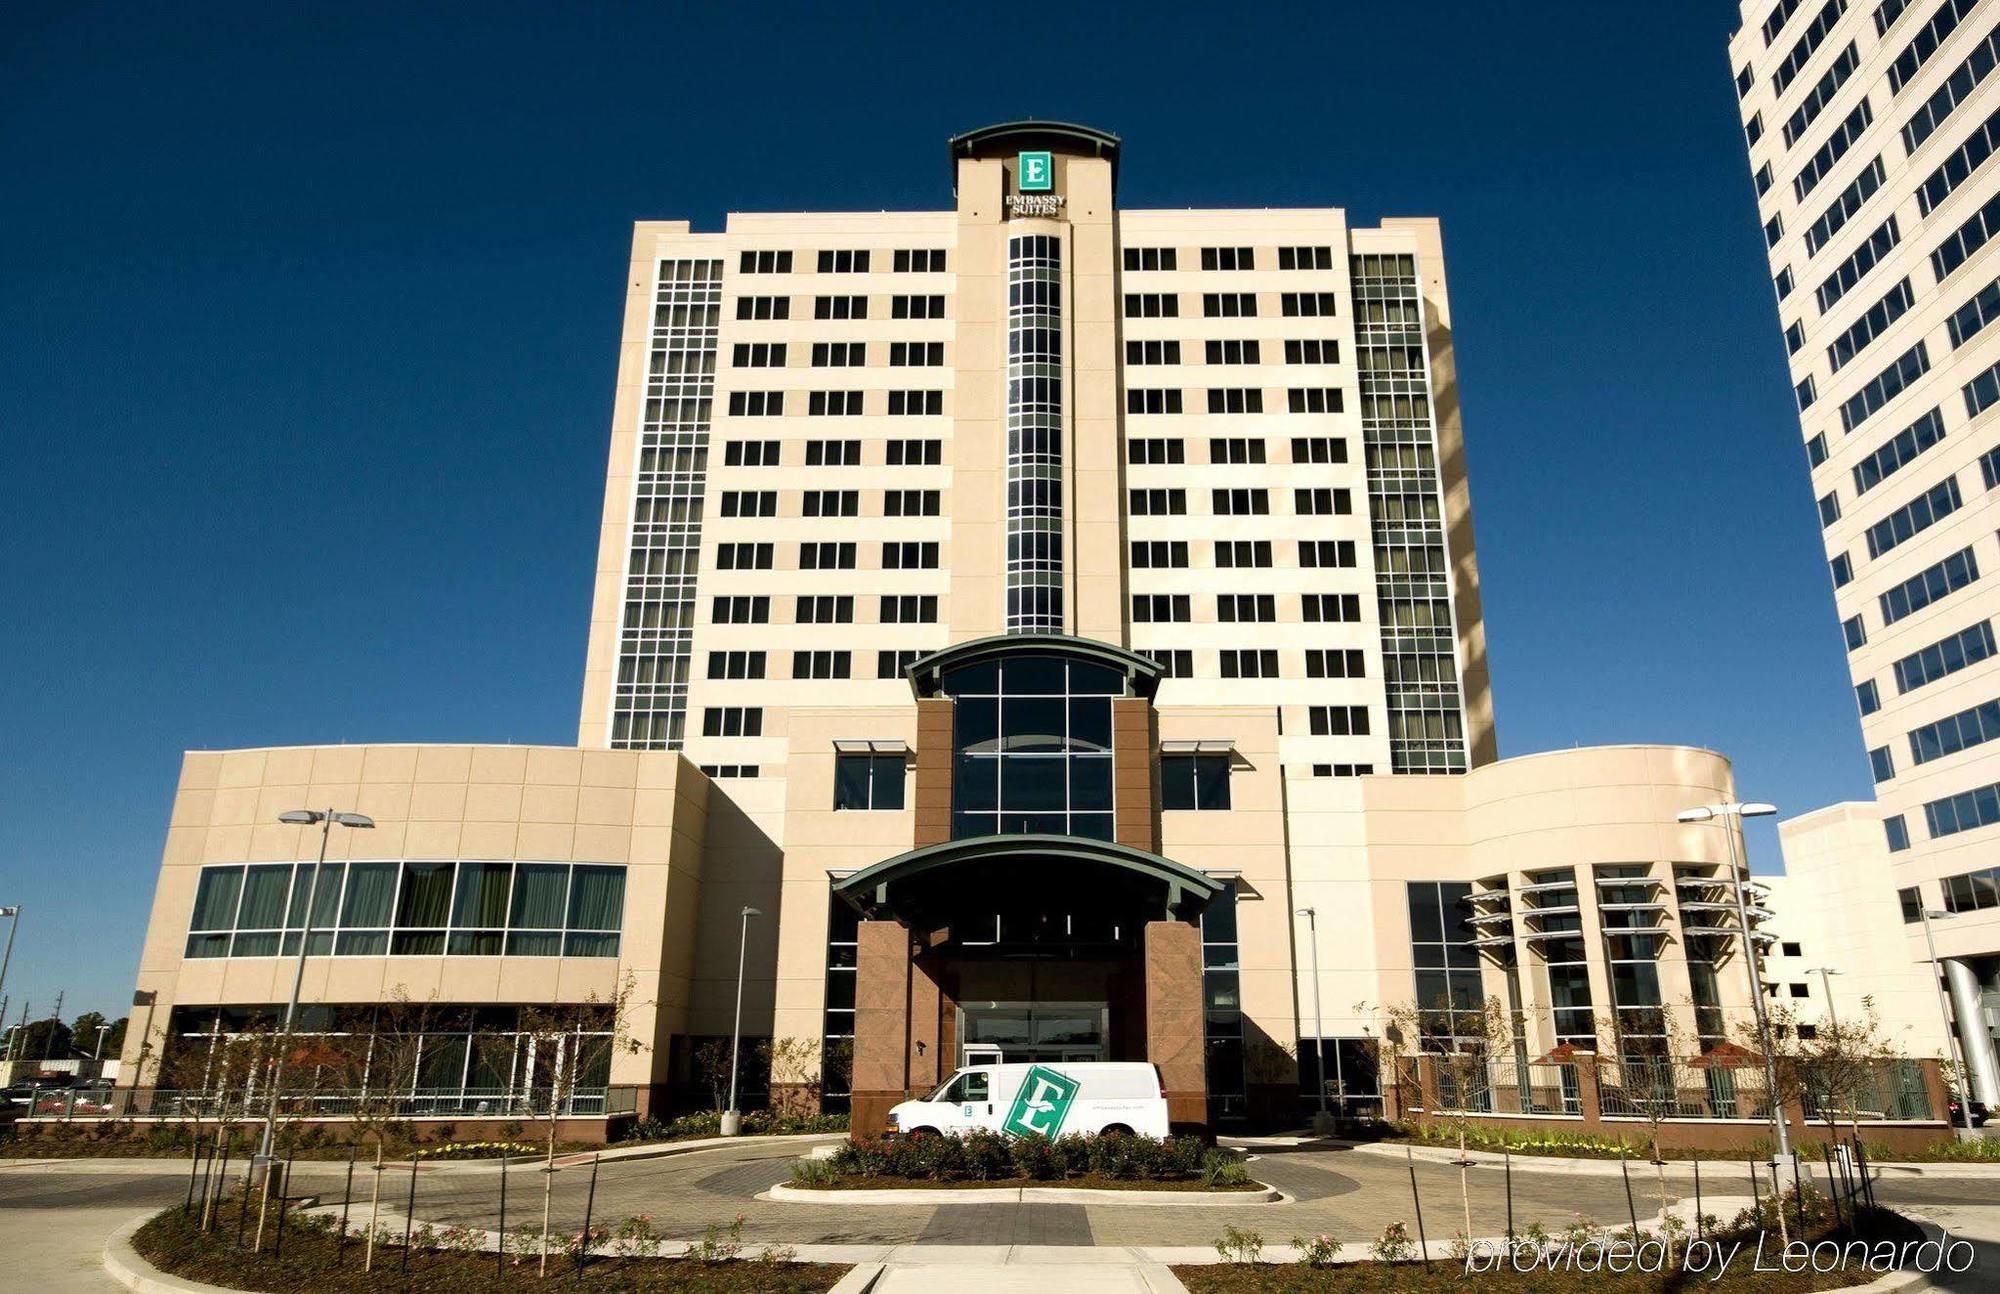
310 1265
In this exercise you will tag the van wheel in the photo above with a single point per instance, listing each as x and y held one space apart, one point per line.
1114 1130
919 1134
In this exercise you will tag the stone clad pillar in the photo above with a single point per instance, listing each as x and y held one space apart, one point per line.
881 1024
932 800
1133 742
1175 1033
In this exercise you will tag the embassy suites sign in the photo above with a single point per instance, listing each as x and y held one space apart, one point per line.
1035 180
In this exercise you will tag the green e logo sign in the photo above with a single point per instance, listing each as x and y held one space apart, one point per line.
1037 172
1043 1101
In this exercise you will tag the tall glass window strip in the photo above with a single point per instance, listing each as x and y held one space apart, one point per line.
1412 576
843 935
1034 434
1222 1006
655 640
1449 987
1032 736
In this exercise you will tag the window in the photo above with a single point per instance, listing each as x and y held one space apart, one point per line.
1897 452
1330 608
1982 392
762 354
1846 274
1337 720
1872 324
826 556
1914 517
740 610
1246 608
1806 392
729 770
1888 384
763 307
867 781
1925 43
1801 53
892 664
839 354
1929 585
1842 568
1835 217
1326 552
916 306
832 503
1897 833
1158 503
1959 246
910 503
1322 502
736 664
1910 899
749 503
1319 449
1794 126
1306 305
1313 400
756 404
1960 166
1228 305
920 261
1152 352
1969 319
1774 229
840 307
1156 450
1031 736
1249 662
1305 258
1199 781
1235 400
1837 143
1781 282
1954 91
1970 892
408 908
1150 258
750 453
844 262
1312 351
1963 812
1233 554
1882 763
1816 450
823 609
822 664
1944 657
1174 663
916 403
910 555
1232 351
1228 258
833 453
765 263
732 721
1743 81
743 557
1854 632
916 354
1152 400
1954 733
1335 662
1235 449
1753 129
1152 305
1159 554
909 609
1160 608
1240 503
915 453
834 404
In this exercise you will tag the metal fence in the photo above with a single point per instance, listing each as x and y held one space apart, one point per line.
419 1103
1681 1089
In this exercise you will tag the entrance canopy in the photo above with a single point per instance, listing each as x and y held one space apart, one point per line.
1051 888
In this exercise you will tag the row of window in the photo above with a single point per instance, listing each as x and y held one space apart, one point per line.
1229 305
1234 350
831 503
1239 554
1145 259
825 609
902 305
830 453
1245 608
837 354
1170 450
921 260
835 404
1234 400
1311 501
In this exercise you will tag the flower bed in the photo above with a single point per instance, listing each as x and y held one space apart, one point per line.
983 1158
1584 1145
707 1123
447 1262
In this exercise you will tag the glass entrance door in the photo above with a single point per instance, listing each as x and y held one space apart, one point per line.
1031 1032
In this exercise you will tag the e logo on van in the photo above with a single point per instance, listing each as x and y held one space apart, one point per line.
1042 1103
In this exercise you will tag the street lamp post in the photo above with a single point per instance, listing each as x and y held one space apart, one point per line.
13 915
732 1118
1826 987
1944 1014
299 818
1323 1122
98 1054
1731 816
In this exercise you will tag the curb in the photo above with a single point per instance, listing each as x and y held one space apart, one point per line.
1563 1165
788 1194
123 1264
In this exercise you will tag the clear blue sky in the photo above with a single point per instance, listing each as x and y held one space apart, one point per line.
309 320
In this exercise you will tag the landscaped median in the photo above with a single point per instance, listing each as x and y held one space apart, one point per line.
988 1166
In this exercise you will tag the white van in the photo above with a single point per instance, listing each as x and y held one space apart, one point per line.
1052 1100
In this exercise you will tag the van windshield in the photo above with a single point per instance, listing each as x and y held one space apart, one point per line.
942 1088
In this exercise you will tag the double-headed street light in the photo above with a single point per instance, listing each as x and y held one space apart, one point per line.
1730 815
326 820
1826 987
732 1118
1323 1123
1944 1013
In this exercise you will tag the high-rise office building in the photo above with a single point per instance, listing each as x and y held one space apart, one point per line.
1059 624
1871 130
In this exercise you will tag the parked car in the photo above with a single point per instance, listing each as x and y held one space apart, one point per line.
1052 1100
1978 1113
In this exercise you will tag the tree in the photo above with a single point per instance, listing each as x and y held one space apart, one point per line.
1649 1046
83 1035
379 1075
792 1069
1461 1043
1832 1065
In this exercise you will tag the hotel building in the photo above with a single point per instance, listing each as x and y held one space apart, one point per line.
1871 130
1060 624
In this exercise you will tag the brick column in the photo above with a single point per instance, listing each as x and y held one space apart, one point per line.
881 1023
927 1067
1587 1102
1136 822
1175 1036
932 801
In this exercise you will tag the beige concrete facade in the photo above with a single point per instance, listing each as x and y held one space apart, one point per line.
1869 137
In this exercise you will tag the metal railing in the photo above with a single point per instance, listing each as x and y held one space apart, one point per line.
1680 1089
418 1103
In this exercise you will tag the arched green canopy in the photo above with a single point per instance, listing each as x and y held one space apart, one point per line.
928 884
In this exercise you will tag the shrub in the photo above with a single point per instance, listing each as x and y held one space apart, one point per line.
1071 1155
1316 1251
988 1157
636 1238
1238 1246
718 1244
814 1172
1223 1168
1393 1245
1034 1157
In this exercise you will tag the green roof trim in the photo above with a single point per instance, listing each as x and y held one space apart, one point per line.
1187 890
1007 136
926 673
